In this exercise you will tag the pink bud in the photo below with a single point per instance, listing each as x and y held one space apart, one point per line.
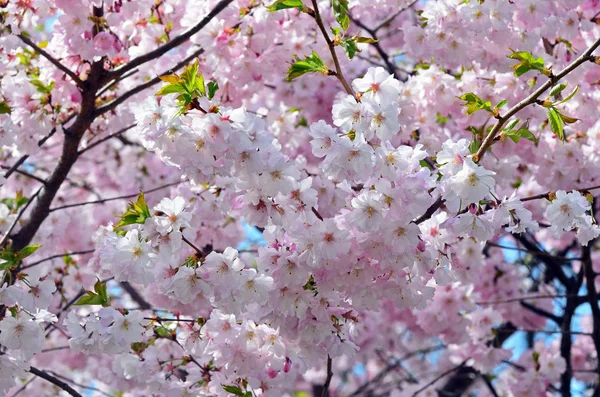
473 209
288 365
421 246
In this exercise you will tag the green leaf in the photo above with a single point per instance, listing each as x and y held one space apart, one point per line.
90 299
41 87
556 123
441 119
27 251
136 213
170 89
100 289
567 119
233 390
163 332
213 87
367 40
284 4
501 103
350 47
4 108
474 103
512 124
571 95
475 144
98 297
171 79
528 62
522 132
310 64
340 12
557 89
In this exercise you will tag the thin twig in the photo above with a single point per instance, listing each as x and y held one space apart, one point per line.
114 198
53 60
106 138
19 215
338 69
177 41
56 256
547 194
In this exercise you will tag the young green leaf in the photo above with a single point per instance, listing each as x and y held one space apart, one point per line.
213 87
568 98
556 123
285 4
512 124
524 133
366 40
4 108
340 12
235 390
474 103
310 64
170 89
350 47
557 89
528 62
136 213
27 251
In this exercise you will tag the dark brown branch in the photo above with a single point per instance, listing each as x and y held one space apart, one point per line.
112 105
46 376
325 392
440 376
542 312
52 60
430 211
177 41
391 68
188 242
592 295
136 296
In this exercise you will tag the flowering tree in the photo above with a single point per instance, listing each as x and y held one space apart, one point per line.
424 175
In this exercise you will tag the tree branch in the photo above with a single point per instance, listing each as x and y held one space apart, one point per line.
106 138
136 296
52 60
177 41
338 69
489 139
328 380
114 198
112 105
46 376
